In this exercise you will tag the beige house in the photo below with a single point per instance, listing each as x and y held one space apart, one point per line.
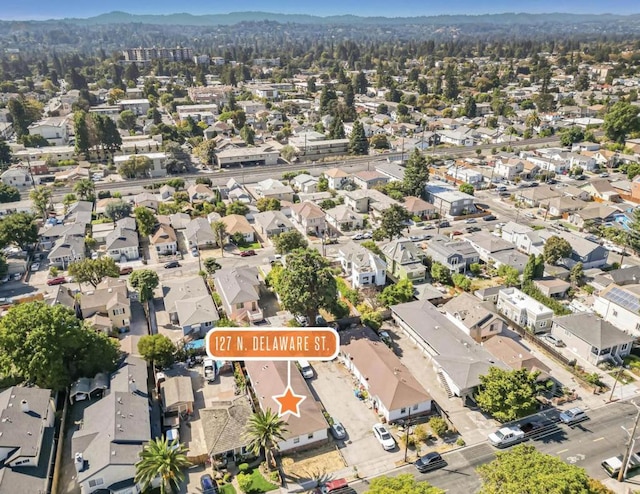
272 223
475 317
236 223
310 217
108 304
239 289
164 240
420 208
337 178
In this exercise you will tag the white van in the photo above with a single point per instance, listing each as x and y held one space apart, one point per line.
306 369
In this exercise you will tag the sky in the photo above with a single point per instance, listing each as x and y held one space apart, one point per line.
47 9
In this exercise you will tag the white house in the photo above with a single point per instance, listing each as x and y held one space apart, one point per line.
620 306
17 176
53 129
158 162
363 266
524 310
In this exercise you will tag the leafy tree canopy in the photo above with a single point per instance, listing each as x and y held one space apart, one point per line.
8 193
398 293
116 210
50 347
144 281
416 174
404 483
93 271
393 221
18 229
621 120
157 349
508 394
556 248
289 241
145 220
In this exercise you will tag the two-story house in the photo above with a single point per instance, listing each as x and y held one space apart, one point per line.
271 223
310 217
620 305
474 317
404 260
122 244
362 266
456 255
200 192
344 219
164 240
239 289
336 178
190 305
158 163
107 306
524 310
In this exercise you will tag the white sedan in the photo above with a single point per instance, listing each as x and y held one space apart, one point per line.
35 266
384 437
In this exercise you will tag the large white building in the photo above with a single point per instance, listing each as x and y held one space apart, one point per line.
158 162
524 310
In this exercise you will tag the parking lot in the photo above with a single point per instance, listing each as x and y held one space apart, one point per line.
334 385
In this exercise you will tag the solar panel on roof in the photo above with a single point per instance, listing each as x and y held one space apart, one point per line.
625 299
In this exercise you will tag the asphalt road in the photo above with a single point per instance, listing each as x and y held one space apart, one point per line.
585 445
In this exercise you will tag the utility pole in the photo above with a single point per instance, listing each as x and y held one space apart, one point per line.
627 454
406 438
613 388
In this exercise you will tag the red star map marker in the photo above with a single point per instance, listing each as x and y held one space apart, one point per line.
289 402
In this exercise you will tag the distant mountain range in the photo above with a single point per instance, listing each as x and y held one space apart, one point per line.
184 19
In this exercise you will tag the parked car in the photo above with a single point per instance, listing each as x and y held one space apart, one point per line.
94 255
126 270
5 278
332 240
429 226
337 430
275 258
367 235
430 461
471 220
172 264
573 416
194 252
603 175
305 369
444 224
581 177
56 281
301 320
384 437
457 232
490 217
208 484
248 253
35 266
415 238
471 229
17 277
501 188
358 236
549 338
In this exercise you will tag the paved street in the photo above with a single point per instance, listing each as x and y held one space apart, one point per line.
586 445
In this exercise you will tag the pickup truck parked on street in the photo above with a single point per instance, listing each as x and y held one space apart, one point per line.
514 434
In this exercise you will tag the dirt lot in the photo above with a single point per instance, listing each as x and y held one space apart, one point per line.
316 463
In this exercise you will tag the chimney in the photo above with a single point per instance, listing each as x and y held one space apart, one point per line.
24 404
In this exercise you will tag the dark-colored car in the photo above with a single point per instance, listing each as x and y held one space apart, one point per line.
457 232
126 270
208 484
57 281
471 229
430 461
172 264
444 224
248 253
490 217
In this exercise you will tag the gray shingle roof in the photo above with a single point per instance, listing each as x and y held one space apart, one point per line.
593 330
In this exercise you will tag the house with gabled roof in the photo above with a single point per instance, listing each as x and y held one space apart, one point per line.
272 188
190 305
122 244
236 223
419 207
361 265
344 219
305 183
270 378
271 223
223 423
27 439
199 233
337 178
404 260
591 338
110 298
309 216
394 393
107 442
239 289
515 355
200 192
164 240
474 317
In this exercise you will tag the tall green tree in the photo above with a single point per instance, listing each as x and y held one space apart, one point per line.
286 242
556 248
157 349
393 221
398 293
577 273
19 229
508 394
41 199
404 483
19 117
467 188
127 120
470 107
248 135
206 152
144 281
85 189
510 275
5 152
263 431
529 272
525 469
8 193
451 90
220 234
50 347
336 129
145 219
416 174
164 459
93 271
621 120
137 166
358 143
81 132
211 265
268 204
539 271
307 283
117 210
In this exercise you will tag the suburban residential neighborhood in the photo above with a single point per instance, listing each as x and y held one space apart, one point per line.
467 221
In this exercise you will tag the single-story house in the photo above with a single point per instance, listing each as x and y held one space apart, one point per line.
190 305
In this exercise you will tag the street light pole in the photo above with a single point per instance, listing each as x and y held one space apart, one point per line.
627 454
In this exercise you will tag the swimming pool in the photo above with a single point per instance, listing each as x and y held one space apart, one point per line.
623 220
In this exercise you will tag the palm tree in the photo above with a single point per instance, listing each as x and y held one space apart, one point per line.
263 430
532 120
220 232
85 188
164 459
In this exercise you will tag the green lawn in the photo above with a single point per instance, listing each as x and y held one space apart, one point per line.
254 246
227 489
258 483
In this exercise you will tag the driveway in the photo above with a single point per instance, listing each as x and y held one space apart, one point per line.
333 385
